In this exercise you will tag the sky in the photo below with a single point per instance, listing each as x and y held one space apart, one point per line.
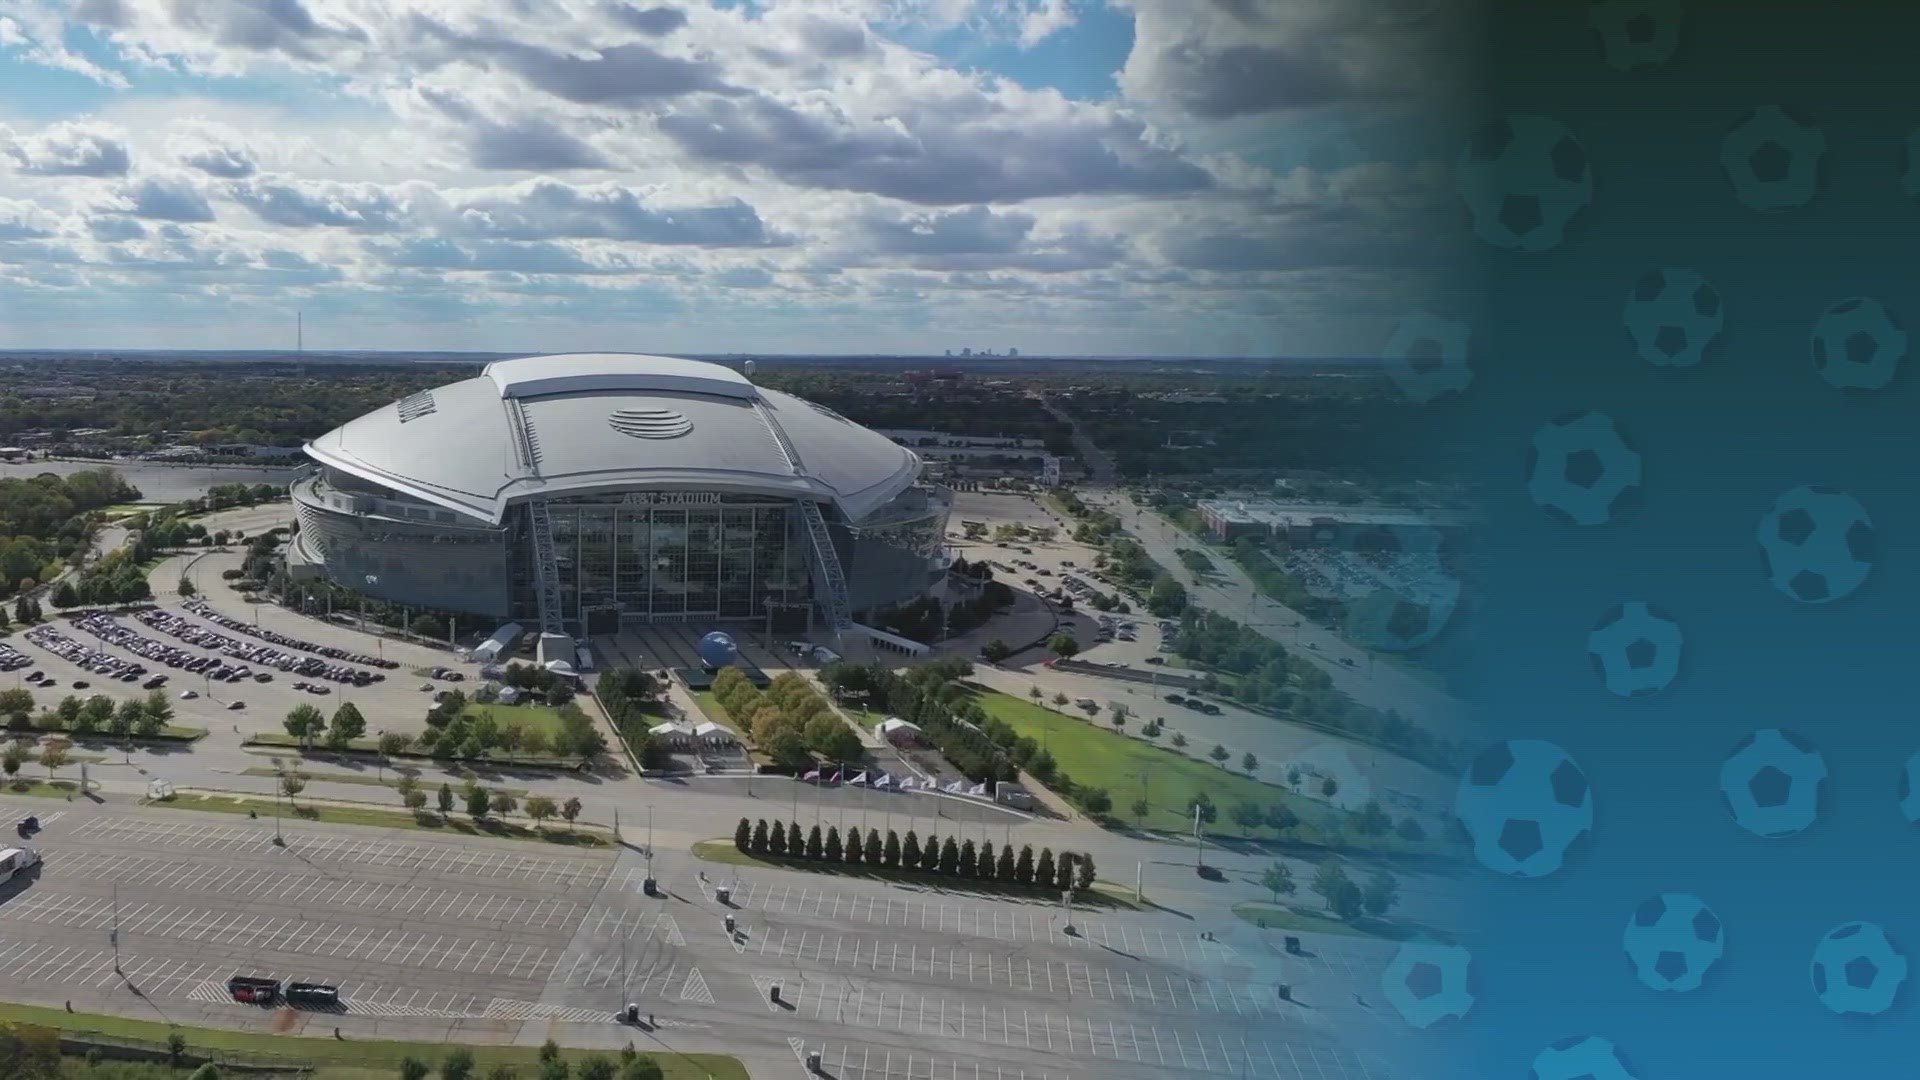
1065 177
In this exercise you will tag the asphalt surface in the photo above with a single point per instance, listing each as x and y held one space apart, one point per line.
499 940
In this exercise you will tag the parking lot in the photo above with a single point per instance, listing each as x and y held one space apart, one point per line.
467 930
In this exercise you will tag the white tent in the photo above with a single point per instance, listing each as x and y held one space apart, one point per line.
672 733
508 695
897 731
708 731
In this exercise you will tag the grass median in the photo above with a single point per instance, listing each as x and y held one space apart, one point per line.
1105 893
345 1059
424 820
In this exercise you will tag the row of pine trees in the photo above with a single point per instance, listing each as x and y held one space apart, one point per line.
961 859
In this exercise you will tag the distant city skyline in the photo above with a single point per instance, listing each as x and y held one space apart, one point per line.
1089 177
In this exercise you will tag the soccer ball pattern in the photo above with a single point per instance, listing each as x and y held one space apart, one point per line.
1672 940
1413 610
1427 982
1818 544
1857 970
1523 179
1580 468
1635 649
1525 803
1774 783
1857 345
1673 315
1772 157
1910 789
1427 357
1636 35
1583 1057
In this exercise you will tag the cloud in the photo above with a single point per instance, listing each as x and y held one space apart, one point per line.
216 150
627 74
302 204
744 277
514 142
69 148
115 228
167 198
964 149
1044 21
652 21
547 209
438 254
25 221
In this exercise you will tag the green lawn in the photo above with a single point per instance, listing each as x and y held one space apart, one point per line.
59 789
542 718
1106 893
346 1059
1289 917
371 781
1092 755
426 820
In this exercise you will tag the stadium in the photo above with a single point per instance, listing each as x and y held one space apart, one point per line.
583 492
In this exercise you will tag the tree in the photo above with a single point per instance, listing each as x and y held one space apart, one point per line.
1219 753
875 854
816 848
416 800
983 862
949 857
891 853
910 851
184 588
1204 803
1034 692
478 803
1063 871
1381 895
777 840
347 725
1278 880
305 723
1329 787
1096 800
761 841
127 717
540 808
412 1068
158 707
292 782
10 762
1043 873
742 833
833 851
1061 701
1280 817
1168 597
1140 808
855 849
1248 815
1371 819
457 1065
53 755
502 801
1293 777
64 595
967 866
392 744
1341 895
21 612
1179 740
1249 764
1004 869
1023 868
570 810
1084 871
1063 644
641 1068
595 1067
995 651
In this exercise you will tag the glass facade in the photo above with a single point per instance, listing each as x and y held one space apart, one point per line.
655 556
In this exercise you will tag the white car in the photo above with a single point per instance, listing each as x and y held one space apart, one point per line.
189 695
232 705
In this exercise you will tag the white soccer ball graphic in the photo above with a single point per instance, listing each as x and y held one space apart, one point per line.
1856 970
1636 35
1635 649
1427 982
1427 357
1673 939
1817 543
1772 157
1857 345
1525 803
1523 179
1580 468
1673 316
1774 783
1583 1057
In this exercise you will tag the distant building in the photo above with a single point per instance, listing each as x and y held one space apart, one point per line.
966 352
1013 352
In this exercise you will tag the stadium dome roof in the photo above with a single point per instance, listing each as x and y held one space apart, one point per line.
583 423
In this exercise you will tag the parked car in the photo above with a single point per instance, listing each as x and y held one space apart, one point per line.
235 706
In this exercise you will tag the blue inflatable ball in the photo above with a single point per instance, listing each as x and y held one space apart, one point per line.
717 650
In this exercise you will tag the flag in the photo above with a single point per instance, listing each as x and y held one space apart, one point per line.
814 775
956 787
977 789
838 773
884 781
908 784
861 779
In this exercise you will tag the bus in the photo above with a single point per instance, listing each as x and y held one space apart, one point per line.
16 860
